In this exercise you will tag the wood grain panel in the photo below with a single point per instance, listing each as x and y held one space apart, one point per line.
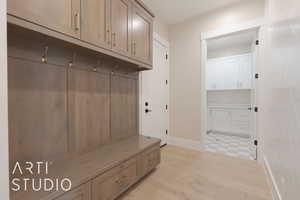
58 15
88 110
142 35
121 26
81 193
96 22
37 111
124 107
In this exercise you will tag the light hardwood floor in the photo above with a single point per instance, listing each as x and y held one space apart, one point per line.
191 175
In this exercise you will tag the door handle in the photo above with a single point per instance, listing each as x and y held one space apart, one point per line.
147 111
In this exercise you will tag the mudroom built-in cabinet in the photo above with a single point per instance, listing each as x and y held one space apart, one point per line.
59 15
73 96
120 28
142 31
96 22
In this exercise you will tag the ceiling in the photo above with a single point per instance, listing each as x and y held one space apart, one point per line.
176 11
244 38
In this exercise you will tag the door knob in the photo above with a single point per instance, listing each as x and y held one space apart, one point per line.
147 110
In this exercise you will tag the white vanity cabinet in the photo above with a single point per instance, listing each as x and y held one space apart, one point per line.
229 73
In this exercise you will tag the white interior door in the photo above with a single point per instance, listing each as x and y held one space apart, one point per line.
154 107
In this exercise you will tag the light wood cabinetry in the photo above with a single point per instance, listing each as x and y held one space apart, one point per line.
59 15
124 110
147 161
142 30
114 182
37 110
89 101
121 26
96 22
81 193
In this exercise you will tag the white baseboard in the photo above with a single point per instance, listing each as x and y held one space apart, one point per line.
271 179
185 143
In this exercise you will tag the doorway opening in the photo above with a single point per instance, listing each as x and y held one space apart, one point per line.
230 94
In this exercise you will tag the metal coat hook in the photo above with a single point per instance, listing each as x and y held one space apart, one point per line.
45 56
71 63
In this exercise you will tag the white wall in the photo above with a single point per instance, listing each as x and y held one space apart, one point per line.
4 190
279 96
185 77
161 28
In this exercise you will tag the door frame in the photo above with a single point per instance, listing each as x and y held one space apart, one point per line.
4 155
165 43
205 36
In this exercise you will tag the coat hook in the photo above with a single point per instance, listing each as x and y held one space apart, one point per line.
71 63
45 56
95 69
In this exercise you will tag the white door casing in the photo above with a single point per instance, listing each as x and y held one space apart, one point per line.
256 24
154 90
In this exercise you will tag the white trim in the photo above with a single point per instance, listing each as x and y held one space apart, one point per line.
184 143
162 41
233 29
271 180
255 24
4 173
203 92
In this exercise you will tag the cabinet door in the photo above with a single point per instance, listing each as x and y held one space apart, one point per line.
148 161
80 193
228 73
59 15
121 26
107 186
211 76
96 22
142 29
245 71
129 175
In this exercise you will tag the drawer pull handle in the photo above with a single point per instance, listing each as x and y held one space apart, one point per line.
77 21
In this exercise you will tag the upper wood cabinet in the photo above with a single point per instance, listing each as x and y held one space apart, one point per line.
96 22
59 15
142 34
121 26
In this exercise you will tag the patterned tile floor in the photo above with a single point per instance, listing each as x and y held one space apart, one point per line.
230 145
